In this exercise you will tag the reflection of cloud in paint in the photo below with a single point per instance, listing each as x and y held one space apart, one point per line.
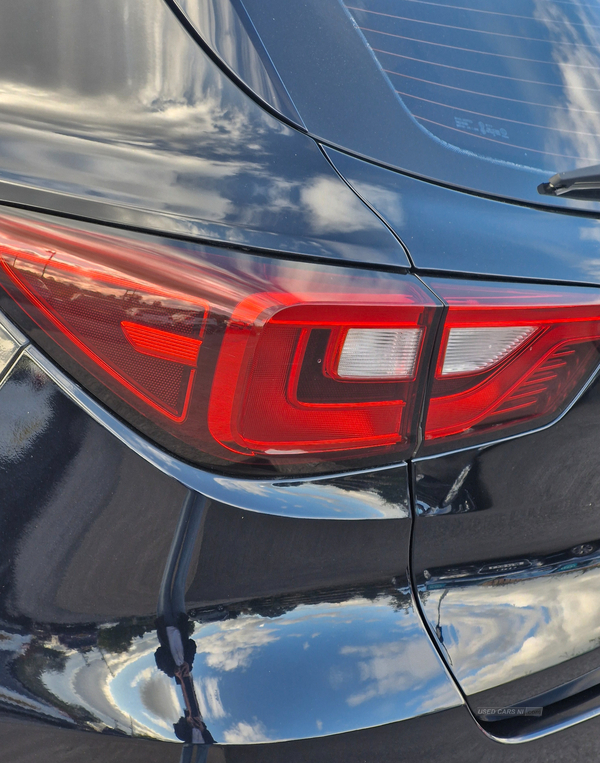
234 644
391 668
591 266
333 207
590 234
123 691
159 697
258 489
337 677
319 498
209 698
13 642
439 695
25 417
246 733
368 662
505 632
387 202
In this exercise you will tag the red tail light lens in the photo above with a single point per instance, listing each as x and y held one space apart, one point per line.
511 357
255 365
144 337
301 403
231 360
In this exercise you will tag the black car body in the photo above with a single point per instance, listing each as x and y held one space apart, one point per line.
298 402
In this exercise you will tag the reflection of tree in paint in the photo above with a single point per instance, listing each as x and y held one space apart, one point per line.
29 669
118 638
175 658
55 650
276 606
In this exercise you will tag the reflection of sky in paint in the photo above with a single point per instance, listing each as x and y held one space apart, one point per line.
24 418
319 669
8 348
494 634
13 642
148 111
123 691
16 701
576 124
319 499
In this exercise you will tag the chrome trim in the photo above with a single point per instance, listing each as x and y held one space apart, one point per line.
11 343
14 332
324 497
544 732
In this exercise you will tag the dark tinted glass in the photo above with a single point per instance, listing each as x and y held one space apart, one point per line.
511 81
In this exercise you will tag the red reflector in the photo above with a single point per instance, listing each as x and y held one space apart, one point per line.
162 344
525 350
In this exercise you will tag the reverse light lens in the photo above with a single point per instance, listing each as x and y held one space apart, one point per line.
469 350
379 353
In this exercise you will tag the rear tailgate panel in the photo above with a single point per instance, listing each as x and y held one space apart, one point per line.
506 559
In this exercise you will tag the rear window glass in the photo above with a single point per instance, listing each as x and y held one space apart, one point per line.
515 81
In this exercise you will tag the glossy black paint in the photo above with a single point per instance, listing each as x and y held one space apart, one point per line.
224 28
507 569
86 524
415 739
245 555
85 528
272 601
348 657
146 132
319 608
450 232
376 494
116 114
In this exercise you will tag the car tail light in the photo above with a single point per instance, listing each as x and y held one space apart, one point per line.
511 357
251 365
231 360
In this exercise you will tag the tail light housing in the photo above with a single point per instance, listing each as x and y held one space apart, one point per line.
233 361
255 365
511 357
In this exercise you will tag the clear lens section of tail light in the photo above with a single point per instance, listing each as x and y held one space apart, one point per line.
237 362
473 349
378 353
511 358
